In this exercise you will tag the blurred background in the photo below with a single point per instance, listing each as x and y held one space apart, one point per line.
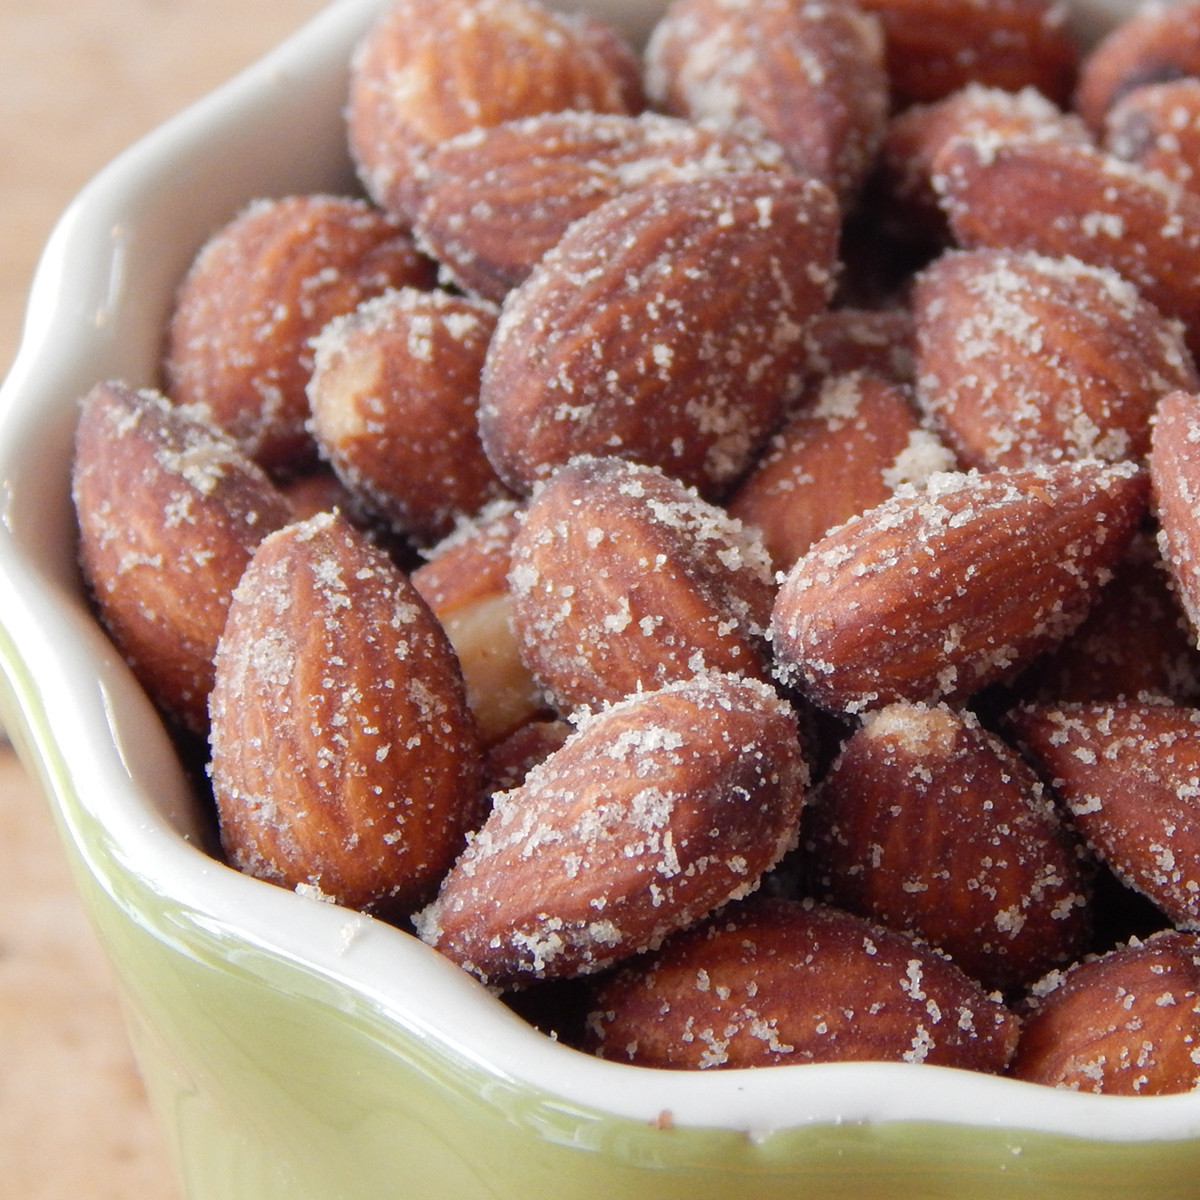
78 83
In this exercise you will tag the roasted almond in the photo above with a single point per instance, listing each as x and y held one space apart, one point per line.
771 981
667 326
946 588
931 825
345 761
169 511
1175 482
1157 126
654 812
624 580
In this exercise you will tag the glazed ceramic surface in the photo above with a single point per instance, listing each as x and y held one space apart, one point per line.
293 1049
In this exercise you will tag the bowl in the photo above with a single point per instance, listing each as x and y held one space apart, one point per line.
294 1049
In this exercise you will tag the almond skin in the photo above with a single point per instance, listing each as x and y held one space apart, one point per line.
667 326
169 511
345 761
944 589
654 812
430 69
929 824
1127 1023
623 580
1175 482
257 292
1157 126
1128 773
1021 358
393 396
810 77
495 199
771 981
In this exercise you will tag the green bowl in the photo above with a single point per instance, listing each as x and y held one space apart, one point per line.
295 1050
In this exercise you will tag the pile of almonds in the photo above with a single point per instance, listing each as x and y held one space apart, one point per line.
709 540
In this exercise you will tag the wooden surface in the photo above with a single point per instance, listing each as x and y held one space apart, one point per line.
78 82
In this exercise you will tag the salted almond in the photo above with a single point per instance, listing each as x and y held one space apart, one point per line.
1155 43
771 981
1126 1023
624 580
1175 482
394 394
1157 126
654 812
946 588
1021 358
929 824
345 761
810 77
261 287
667 326
496 199
430 69
935 47
858 439
169 512
1064 199
847 339
1129 773
465 583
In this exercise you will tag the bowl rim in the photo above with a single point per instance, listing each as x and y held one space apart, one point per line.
89 732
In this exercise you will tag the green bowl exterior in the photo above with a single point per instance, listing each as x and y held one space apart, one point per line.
272 1081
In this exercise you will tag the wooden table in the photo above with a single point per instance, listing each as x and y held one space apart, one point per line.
78 82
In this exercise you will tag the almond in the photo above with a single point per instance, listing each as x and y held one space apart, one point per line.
430 69
654 812
1155 43
261 287
1157 126
928 824
496 199
1063 199
1129 772
394 394
845 452
944 589
666 326
1175 480
772 981
847 339
624 580
1127 1023
345 762
935 47
169 512
1022 359
810 77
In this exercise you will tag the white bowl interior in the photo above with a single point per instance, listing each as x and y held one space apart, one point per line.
96 311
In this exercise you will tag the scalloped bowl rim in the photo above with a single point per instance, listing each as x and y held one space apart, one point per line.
91 734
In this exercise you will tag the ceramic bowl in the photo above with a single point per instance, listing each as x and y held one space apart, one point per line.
295 1050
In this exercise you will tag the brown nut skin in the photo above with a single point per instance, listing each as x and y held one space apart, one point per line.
654 812
809 77
945 589
345 761
1158 127
1127 773
465 582
1022 358
624 580
169 512
931 825
1154 44
1124 1024
1175 484
772 981
667 326
1060 199
935 47
497 198
257 292
847 450
430 69
394 395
